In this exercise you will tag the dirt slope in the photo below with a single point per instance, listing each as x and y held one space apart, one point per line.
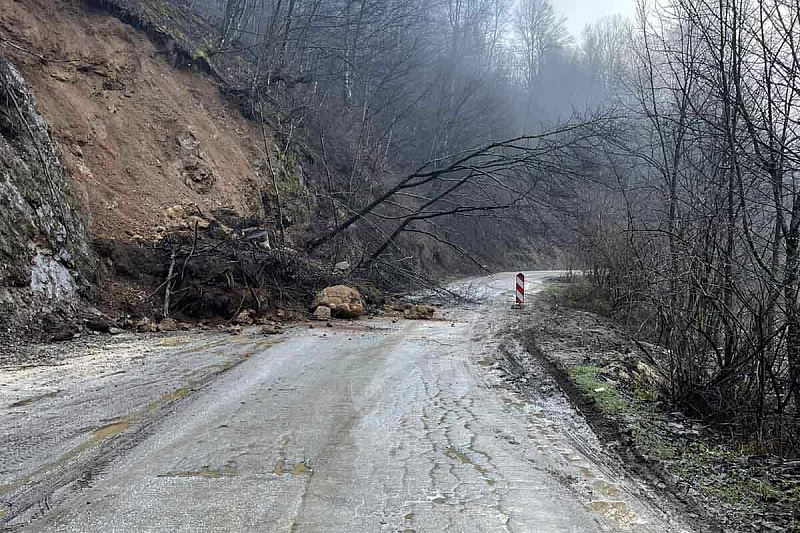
136 134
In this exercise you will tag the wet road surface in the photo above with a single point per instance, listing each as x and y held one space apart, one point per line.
366 427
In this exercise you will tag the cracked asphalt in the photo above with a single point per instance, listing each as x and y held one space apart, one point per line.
366 427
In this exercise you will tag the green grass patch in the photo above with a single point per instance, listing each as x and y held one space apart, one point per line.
637 411
587 378
717 471
725 474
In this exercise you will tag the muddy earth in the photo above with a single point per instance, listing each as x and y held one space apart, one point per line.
377 425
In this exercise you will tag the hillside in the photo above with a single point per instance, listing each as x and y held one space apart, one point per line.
169 155
136 134
149 146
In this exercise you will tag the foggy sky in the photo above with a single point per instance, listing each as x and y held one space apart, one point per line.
581 12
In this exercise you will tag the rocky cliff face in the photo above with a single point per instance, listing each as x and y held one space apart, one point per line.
46 262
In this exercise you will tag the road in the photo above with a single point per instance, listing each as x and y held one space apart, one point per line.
371 426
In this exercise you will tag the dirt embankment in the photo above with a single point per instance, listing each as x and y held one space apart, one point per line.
149 144
136 134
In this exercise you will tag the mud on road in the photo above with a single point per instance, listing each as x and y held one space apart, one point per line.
442 425
68 410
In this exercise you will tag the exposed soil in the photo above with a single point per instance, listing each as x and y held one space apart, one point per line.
611 379
136 134
152 148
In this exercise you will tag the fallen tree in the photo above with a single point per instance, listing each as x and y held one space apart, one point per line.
518 173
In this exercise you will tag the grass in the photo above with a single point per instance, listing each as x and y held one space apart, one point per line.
637 411
587 377
724 474
719 472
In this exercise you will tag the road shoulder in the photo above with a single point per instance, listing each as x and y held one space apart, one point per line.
610 379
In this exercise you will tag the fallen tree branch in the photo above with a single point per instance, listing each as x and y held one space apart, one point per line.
169 283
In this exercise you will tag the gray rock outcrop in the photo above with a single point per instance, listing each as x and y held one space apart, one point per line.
46 262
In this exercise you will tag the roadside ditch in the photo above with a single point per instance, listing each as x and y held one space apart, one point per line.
613 380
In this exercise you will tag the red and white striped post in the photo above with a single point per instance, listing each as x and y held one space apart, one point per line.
520 289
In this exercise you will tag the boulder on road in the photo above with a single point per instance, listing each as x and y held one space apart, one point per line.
96 320
322 312
145 325
343 301
419 312
167 325
271 329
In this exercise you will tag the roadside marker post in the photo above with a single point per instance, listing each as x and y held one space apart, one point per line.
520 293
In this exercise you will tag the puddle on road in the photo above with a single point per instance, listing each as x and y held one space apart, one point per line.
464 459
175 341
301 469
34 399
111 429
282 466
452 453
409 517
177 394
615 511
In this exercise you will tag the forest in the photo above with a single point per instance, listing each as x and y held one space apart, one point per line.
483 109
656 153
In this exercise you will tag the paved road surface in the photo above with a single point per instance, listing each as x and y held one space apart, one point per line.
366 427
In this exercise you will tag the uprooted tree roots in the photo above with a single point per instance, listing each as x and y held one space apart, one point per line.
222 278
197 276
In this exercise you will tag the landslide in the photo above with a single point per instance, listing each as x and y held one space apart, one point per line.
149 129
136 134
144 131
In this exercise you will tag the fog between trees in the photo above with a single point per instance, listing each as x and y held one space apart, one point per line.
385 89
658 153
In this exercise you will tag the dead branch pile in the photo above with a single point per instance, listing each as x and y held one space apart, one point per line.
207 277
